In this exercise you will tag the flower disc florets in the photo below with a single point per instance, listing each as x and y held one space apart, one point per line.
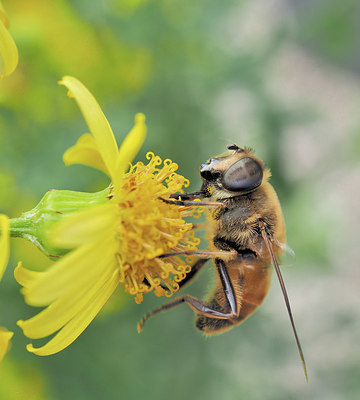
148 228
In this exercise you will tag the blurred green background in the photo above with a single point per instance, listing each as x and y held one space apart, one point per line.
281 76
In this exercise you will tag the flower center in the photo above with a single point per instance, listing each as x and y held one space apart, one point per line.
149 228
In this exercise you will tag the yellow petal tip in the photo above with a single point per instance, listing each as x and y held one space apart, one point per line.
20 323
5 333
30 348
17 269
64 82
66 159
140 118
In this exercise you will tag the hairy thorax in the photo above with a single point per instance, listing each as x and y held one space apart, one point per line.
237 225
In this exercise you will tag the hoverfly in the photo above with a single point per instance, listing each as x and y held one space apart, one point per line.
246 233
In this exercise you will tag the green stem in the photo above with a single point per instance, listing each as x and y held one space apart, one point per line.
20 227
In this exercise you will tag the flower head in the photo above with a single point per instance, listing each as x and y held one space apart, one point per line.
114 243
8 49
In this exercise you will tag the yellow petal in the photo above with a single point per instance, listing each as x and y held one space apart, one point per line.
8 51
131 144
70 271
4 243
96 121
3 16
85 152
59 313
80 322
84 226
5 337
24 276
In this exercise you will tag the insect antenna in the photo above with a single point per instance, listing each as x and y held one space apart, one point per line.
286 298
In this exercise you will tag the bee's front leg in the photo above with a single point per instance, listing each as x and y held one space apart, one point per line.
189 196
187 203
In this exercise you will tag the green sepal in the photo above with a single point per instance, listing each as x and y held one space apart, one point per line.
35 225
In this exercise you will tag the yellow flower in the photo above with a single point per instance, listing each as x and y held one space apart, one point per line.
5 337
116 243
8 49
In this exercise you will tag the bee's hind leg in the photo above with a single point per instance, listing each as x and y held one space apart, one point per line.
228 313
199 307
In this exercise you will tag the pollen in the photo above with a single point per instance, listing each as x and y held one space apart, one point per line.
149 227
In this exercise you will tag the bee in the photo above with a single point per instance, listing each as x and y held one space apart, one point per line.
246 233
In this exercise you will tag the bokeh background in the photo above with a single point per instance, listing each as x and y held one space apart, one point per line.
281 76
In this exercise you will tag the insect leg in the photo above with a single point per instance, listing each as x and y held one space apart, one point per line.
187 196
199 263
192 203
205 253
227 286
228 296
198 306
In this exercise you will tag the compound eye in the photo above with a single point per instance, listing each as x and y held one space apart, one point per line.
245 174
